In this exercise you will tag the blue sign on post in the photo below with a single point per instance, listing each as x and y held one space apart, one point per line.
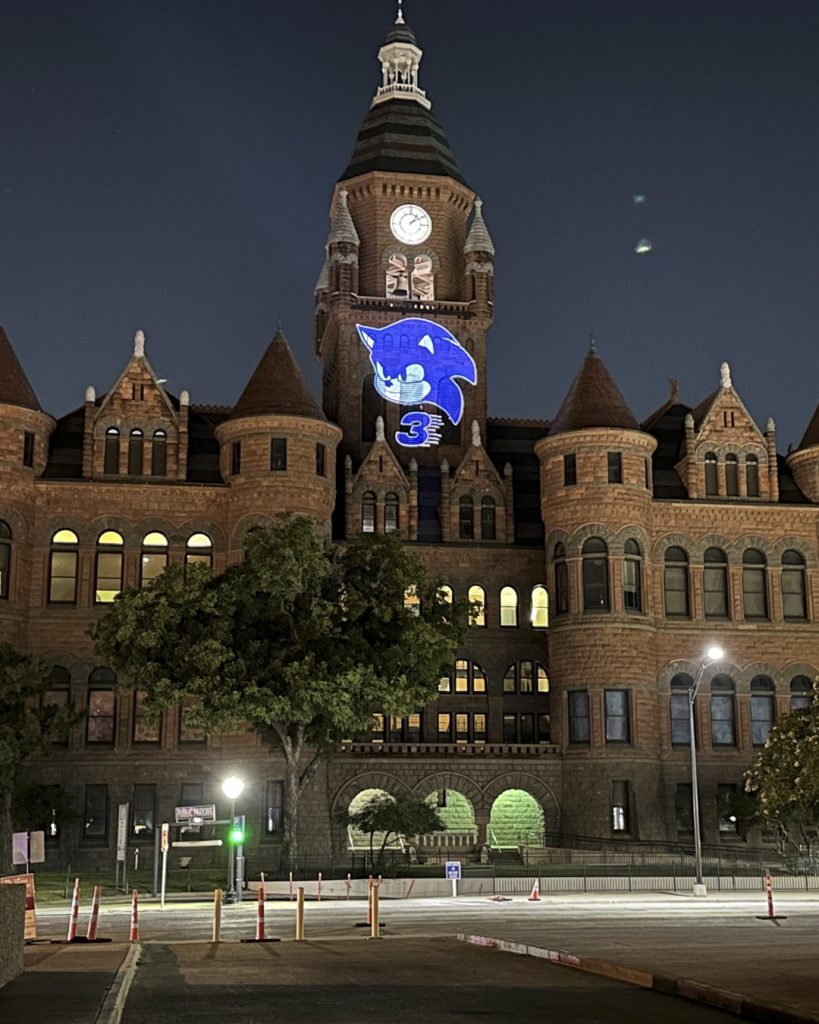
453 869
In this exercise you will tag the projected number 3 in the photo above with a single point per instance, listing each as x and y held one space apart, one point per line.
422 430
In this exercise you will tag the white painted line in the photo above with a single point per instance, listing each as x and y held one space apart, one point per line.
114 1004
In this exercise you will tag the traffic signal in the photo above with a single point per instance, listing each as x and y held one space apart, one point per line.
237 830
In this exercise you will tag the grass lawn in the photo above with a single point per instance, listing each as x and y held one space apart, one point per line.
55 887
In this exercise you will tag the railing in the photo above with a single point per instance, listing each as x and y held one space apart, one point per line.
411 306
449 749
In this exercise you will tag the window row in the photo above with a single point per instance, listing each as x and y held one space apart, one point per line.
521 677
278 457
622 808
508 605
135 463
614 469
595 568
734 475
472 526
462 727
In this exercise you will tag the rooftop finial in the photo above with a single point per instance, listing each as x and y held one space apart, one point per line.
400 19
379 428
675 389
139 344
725 376
592 346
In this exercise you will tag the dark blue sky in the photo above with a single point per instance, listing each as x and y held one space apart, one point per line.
168 166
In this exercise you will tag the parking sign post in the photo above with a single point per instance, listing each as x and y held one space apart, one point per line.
453 872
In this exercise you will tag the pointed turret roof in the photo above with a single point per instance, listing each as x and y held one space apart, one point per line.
14 386
593 400
811 435
277 386
343 228
479 239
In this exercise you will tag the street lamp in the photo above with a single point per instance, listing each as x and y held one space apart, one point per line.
232 788
713 654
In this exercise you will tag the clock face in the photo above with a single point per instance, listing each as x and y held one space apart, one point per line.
410 224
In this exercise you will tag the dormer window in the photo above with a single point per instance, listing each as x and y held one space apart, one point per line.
111 458
711 479
136 445
731 476
159 453
752 476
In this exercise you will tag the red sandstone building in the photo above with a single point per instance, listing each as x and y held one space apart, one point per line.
607 553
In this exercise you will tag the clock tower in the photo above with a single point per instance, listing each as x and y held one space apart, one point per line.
405 297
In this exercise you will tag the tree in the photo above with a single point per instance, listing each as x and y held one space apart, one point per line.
785 778
28 726
304 640
393 816
38 805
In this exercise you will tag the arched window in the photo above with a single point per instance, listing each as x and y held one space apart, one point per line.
136 447
199 550
111 458
154 558
159 453
680 712
801 692
423 279
391 513
632 577
752 476
526 677
368 512
723 712
762 709
731 476
595 575
466 517
561 580
540 607
108 581
469 677
62 572
488 519
675 583
754 585
715 584
508 606
412 602
794 594
397 278
711 479
5 559
477 600
445 593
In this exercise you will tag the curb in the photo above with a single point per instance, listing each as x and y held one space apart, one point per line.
114 1003
686 988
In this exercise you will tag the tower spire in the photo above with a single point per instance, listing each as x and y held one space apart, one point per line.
400 17
400 58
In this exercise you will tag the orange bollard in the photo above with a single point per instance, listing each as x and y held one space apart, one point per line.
260 936
348 883
91 934
318 888
769 891
134 936
75 912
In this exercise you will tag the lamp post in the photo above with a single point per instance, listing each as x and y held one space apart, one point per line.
232 788
713 654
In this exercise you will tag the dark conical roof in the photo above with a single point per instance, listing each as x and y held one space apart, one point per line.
811 435
401 33
403 137
277 386
14 386
593 400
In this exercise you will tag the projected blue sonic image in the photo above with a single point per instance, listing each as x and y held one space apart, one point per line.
419 361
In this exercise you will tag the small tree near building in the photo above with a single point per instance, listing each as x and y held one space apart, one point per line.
392 817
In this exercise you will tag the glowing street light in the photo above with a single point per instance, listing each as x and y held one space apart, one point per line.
713 654
233 787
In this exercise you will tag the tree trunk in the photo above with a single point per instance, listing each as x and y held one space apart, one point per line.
290 825
6 867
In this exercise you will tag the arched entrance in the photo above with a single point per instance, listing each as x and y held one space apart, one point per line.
516 820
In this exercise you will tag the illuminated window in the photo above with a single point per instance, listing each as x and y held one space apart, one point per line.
754 585
762 709
579 727
752 476
278 454
321 453
794 595
466 515
526 677
632 577
468 677
539 616
143 813
444 727
109 567
715 584
561 580
5 560
731 476
619 807
723 712
390 513
711 478
488 519
508 606
412 602
368 512
477 600
801 693
595 575
111 455
159 453
675 583
145 729
445 594
154 558
62 575
199 550
136 450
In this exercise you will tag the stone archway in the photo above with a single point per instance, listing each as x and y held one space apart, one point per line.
524 817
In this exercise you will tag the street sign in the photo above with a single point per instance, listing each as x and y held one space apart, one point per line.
122 832
164 841
195 814
453 869
36 847
19 848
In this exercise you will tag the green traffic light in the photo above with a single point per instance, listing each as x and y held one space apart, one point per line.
237 835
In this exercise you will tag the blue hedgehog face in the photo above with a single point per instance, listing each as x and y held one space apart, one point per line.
417 361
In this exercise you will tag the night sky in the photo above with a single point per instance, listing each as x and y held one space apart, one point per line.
169 165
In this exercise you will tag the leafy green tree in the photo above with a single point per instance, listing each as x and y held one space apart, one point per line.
785 778
36 806
27 727
393 816
304 640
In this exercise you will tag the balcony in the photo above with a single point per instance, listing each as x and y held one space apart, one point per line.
527 750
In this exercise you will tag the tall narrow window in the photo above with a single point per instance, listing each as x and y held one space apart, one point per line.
723 712
28 449
731 476
675 583
62 575
143 813
423 279
488 519
715 584
632 577
579 728
539 617
444 727
711 478
146 728
189 733
617 716
321 459
236 458
58 695
619 807
726 818
159 453
684 806
762 709
391 513
95 813
477 601
153 559
794 594
752 476
614 462
199 550
278 454
466 516
412 602
801 693
680 711
397 277
111 455
5 560
273 804
99 726
136 451
754 585
508 606
108 581
595 575
569 470
368 512
561 580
